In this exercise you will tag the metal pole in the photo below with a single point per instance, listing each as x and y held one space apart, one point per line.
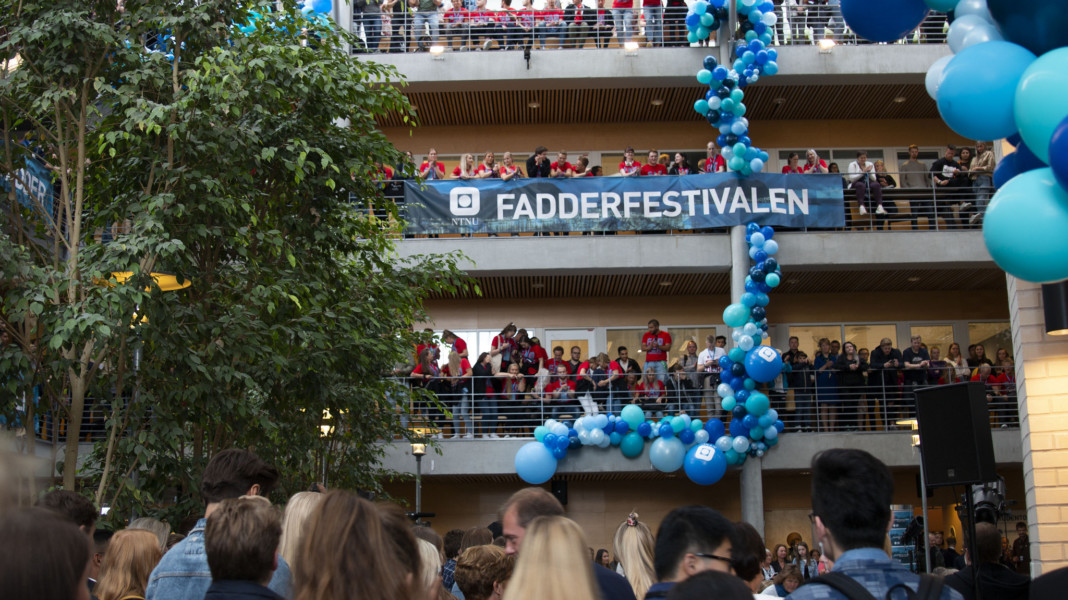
926 525
418 484
973 553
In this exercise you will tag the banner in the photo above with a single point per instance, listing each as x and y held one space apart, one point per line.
704 201
33 187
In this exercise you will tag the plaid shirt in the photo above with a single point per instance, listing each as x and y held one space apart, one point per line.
448 573
873 569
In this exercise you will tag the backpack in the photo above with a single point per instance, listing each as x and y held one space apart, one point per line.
930 587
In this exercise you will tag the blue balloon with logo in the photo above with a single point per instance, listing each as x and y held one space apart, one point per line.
763 363
705 464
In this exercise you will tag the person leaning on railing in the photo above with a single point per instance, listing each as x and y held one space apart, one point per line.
914 175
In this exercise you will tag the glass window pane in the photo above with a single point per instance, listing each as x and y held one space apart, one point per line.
632 340
933 336
808 336
868 336
992 336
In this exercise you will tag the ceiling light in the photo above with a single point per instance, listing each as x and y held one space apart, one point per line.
438 52
914 279
779 100
533 104
900 99
665 283
826 45
657 102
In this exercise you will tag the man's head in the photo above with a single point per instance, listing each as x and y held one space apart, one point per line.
101 538
576 353
711 148
241 539
1021 529
748 555
453 539
234 473
721 341
540 151
562 372
951 151
916 342
72 507
558 352
914 152
522 508
987 543
851 495
622 352
794 342
653 155
692 539
654 325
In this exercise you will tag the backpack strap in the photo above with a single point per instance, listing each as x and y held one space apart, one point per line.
929 588
844 584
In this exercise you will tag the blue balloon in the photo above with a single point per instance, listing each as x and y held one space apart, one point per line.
739 412
1024 227
742 395
559 453
320 6
978 89
705 464
779 426
667 454
644 430
1058 153
763 363
666 431
735 315
572 432
715 429
574 443
1040 104
693 21
621 426
686 437
1005 170
563 441
632 444
1026 160
534 463
719 73
1038 26
942 5
750 421
549 440
710 62
616 438
884 21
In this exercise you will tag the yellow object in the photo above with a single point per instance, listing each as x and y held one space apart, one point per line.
165 281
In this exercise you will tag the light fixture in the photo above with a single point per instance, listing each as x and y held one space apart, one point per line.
533 104
418 449
779 100
913 279
1055 307
630 48
826 45
665 283
900 99
657 102
437 52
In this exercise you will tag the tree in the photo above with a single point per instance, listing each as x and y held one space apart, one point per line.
231 160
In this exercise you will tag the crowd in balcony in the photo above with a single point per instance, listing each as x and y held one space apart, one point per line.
839 388
414 25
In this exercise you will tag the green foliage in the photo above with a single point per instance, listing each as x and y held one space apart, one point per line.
228 166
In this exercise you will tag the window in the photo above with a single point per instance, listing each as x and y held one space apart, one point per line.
868 336
992 336
933 336
632 340
808 336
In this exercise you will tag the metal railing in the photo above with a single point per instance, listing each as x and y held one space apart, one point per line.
817 406
809 24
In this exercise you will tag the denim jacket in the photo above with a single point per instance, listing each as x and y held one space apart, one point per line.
183 573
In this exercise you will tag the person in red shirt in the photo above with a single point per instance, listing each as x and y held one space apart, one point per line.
505 345
459 346
466 168
457 395
488 167
653 167
558 360
629 167
550 22
562 168
427 375
561 394
814 164
458 23
714 162
656 344
508 169
532 359
652 394
995 393
791 165
431 168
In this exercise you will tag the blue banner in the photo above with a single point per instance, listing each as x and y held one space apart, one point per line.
33 187
704 201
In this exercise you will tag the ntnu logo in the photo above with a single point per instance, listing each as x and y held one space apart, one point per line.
464 201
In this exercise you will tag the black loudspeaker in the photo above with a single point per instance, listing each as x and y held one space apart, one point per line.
956 447
559 488
919 488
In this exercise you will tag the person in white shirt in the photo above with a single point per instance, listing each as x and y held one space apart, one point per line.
862 179
708 363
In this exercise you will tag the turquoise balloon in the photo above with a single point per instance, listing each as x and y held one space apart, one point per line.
696 425
534 463
708 20
702 32
678 424
736 354
772 280
1040 100
749 383
540 431
757 404
735 315
728 403
737 95
739 149
1024 228
978 86
726 105
666 454
632 445
701 107
691 36
700 7
633 415
771 67
739 109
704 76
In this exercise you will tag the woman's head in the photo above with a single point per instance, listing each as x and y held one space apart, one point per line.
691 347
980 351
633 544
353 548
131 556
44 556
789 578
965 154
849 348
430 573
476 536
802 549
825 346
603 558
792 158
1001 355
954 350
483 571
936 352
554 563
513 368
780 550
295 519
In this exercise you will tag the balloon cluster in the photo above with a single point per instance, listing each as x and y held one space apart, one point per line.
722 105
1006 79
703 450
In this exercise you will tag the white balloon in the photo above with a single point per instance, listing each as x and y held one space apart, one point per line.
700 437
960 28
746 343
980 35
935 75
770 19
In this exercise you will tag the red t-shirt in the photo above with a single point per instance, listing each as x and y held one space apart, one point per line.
650 391
654 169
993 382
434 370
805 168
436 172
567 167
552 363
556 384
614 369
634 167
532 355
506 170
662 338
506 345
551 16
712 166
459 345
465 366
456 172
455 16
482 168
798 169
385 172
622 4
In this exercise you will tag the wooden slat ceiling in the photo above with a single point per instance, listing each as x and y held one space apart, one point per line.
713 284
625 105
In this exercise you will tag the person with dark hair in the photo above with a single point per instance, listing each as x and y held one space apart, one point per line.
529 503
183 573
851 496
452 541
538 164
691 539
996 581
747 556
711 584
241 542
44 556
101 538
73 507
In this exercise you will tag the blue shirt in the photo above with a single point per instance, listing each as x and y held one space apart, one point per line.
183 573
873 569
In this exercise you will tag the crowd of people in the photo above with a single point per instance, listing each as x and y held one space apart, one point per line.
334 545
839 388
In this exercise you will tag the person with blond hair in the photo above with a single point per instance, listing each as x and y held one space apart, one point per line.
298 509
430 571
161 529
482 572
355 549
633 546
131 556
554 563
